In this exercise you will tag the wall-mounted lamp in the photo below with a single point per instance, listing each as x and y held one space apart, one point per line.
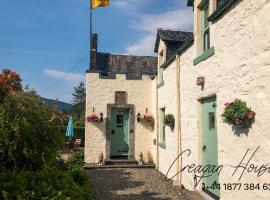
138 117
101 117
200 80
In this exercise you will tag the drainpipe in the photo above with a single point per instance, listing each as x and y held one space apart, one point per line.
178 120
157 131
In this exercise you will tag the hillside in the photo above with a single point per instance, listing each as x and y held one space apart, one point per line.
61 106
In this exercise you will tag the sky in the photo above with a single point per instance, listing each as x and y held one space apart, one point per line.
47 42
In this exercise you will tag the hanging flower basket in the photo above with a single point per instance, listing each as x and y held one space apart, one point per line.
92 118
238 114
148 118
169 120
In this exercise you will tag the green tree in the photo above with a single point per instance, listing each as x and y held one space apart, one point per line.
79 94
30 132
79 100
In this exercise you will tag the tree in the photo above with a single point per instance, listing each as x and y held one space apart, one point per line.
79 100
79 94
30 132
9 82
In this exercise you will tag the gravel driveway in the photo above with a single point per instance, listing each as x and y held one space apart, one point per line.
133 184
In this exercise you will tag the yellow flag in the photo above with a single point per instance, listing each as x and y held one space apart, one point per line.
100 3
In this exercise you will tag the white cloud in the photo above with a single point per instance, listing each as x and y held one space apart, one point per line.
71 78
177 19
144 46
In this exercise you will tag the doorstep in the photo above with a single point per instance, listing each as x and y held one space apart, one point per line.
88 166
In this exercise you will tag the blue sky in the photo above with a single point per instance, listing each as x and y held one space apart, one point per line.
47 42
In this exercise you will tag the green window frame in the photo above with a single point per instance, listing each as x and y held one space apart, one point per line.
205 28
160 75
162 132
220 3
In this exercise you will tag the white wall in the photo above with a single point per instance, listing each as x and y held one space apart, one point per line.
101 92
240 69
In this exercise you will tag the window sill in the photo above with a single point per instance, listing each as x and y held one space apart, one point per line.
222 10
208 53
160 84
162 145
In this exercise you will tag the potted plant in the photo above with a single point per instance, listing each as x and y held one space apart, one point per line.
169 120
92 118
238 114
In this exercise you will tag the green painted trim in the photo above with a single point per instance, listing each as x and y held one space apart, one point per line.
162 145
185 46
160 84
208 53
222 10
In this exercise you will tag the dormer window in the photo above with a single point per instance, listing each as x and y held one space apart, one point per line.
160 70
161 58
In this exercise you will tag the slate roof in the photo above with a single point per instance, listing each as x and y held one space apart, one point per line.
133 66
176 36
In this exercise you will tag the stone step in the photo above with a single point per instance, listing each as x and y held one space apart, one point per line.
120 162
89 166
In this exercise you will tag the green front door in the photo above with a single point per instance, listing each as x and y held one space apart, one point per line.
119 132
210 145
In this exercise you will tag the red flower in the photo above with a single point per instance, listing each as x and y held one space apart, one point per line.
251 114
238 121
92 118
148 118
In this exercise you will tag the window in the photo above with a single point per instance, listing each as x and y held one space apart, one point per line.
162 128
160 70
161 58
120 97
205 32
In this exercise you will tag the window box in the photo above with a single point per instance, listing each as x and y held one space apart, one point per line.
162 145
208 53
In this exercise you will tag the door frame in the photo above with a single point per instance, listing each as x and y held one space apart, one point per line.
200 125
130 108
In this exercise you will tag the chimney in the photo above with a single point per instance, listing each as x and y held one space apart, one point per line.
93 51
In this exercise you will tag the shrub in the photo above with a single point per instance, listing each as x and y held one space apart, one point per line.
30 136
44 184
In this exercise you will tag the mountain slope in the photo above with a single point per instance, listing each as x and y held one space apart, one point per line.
60 105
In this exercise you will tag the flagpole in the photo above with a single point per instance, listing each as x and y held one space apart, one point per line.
91 28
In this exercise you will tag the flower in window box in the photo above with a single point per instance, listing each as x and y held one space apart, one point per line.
92 118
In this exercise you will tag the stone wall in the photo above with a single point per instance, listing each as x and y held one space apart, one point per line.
240 68
101 92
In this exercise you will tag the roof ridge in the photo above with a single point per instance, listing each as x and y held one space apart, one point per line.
127 55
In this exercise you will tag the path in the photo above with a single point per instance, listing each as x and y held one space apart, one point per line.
135 184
